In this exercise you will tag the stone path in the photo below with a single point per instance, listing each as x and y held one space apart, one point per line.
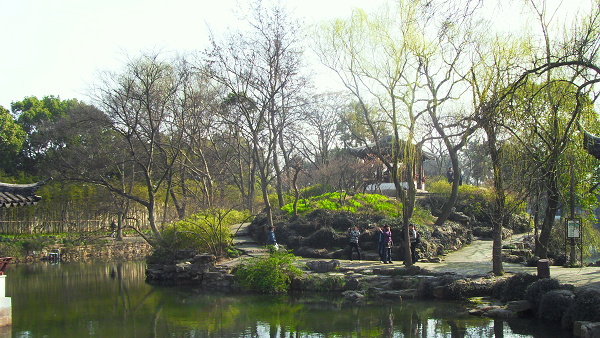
474 260
243 242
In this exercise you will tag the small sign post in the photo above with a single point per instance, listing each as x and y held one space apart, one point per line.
573 229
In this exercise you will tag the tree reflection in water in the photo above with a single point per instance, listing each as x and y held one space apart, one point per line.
113 300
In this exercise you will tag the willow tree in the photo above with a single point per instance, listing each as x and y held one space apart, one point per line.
377 58
553 147
553 90
492 72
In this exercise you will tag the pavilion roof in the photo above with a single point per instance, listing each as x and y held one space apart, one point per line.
385 145
12 195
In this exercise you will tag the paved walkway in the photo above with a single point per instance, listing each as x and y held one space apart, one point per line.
472 261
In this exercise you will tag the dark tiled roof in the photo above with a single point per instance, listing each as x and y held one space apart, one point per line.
12 195
385 145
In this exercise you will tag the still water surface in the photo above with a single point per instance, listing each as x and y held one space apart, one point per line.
112 300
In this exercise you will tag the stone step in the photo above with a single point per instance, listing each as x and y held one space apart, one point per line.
240 229
244 240
251 249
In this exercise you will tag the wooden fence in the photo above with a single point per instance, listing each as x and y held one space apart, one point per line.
14 222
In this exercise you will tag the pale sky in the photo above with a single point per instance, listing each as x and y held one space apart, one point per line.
56 47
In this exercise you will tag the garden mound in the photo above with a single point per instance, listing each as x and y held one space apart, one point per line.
324 234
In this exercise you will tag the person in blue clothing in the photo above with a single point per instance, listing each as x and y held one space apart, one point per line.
271 238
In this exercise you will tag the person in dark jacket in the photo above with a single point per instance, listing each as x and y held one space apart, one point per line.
353 234
450 175
380 246
113 228
386 239
271 238
412 234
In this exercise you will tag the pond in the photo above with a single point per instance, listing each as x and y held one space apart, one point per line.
113 300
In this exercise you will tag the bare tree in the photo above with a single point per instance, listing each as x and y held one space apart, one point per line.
140 101
323 113
259 70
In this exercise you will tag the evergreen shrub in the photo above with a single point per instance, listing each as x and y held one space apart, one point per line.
538 289
554 304
462 289
585 307
206 231
11 249
270 274
515 286
323 238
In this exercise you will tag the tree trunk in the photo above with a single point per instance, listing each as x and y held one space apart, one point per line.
120 223
408 203
553 199
151 217
447 209
278 180
296 191
499 198
251 189
267 209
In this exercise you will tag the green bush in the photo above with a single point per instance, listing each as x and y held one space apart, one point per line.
584 308
366 203
538 289
271 274
8 249
515 286
439 185
472 200
207 231
316 190
327 283
232 252
554 304
462 289
36 243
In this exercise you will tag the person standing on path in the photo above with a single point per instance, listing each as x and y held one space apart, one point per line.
387 244
450 175
354 241
412 234
113 227
380 245
271 238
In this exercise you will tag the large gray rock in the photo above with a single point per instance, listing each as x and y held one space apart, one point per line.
323 266
352 284
183 267
205 258
521 308
591 330
353 296
577 326
500 313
